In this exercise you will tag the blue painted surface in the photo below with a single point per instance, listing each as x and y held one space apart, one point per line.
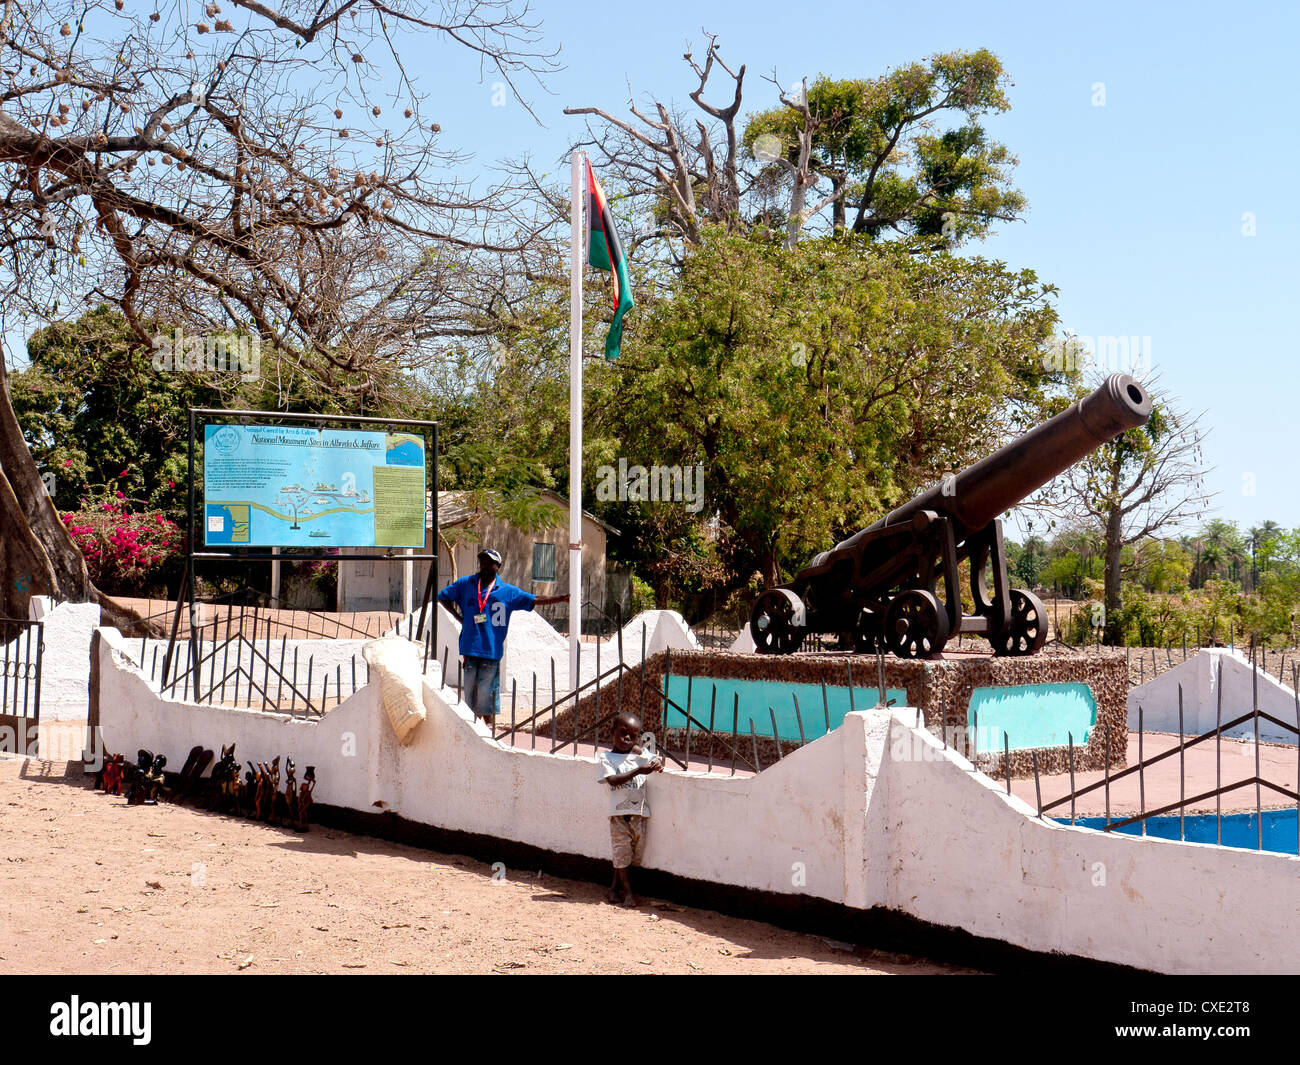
757 695
1032 715
1239 830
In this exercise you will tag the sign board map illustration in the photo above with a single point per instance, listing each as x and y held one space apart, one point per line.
291 486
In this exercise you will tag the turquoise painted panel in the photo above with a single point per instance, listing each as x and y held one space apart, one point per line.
1032 715
756 696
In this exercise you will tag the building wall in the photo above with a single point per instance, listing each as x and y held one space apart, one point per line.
378 585
65 661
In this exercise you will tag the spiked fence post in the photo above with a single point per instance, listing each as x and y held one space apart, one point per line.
1218 755
1142 782
1070 756
713 706
735 730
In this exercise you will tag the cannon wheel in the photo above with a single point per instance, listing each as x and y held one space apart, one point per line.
1027 631
916 624
772 622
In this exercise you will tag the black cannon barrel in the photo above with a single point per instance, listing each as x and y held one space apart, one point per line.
999 481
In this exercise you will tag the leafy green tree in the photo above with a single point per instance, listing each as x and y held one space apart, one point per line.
1161 565
98 414
875 148
1027 560
820 385
1262 541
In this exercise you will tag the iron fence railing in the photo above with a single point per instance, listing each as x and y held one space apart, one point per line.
22 651
1254 717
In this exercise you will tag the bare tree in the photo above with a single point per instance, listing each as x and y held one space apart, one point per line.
1146 482
273 169
872 145
692 167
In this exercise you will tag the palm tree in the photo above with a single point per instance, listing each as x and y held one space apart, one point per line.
1222 544
1258 538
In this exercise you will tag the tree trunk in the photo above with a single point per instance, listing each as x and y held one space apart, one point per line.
838 219
1114 602
37 555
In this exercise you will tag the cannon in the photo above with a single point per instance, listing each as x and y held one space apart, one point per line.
895 585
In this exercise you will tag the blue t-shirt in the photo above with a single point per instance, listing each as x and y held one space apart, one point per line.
485 639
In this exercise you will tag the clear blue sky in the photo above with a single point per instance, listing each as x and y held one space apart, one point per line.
1135 206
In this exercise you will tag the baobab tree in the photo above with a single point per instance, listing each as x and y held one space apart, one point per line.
267 169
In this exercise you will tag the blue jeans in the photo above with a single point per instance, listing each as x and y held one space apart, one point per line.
482 685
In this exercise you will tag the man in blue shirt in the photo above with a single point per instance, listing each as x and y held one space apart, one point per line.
483 605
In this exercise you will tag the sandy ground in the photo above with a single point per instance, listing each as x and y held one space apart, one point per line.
89 884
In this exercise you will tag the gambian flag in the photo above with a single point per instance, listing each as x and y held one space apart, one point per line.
604 252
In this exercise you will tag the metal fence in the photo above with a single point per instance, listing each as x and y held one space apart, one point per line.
22 649
1261 784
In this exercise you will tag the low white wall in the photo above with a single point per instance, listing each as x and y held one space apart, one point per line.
877 813
744 831
65 661
1198 677
965 854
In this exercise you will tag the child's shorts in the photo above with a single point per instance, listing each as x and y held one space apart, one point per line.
627 834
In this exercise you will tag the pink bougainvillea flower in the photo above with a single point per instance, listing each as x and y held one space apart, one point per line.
67 463
119 495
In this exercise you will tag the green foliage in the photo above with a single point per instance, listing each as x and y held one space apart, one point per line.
1026 562
643 596
1161 565
97 414
818 386
879 141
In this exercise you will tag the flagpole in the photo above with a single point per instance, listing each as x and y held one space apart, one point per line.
575 420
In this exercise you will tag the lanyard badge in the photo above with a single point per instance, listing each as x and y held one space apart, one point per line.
481 617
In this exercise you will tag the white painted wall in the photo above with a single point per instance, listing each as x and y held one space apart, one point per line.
65 663
965 854
875 814
532 643
743 643
1198 677
746 831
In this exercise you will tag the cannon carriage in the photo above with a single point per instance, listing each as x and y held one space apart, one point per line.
894 586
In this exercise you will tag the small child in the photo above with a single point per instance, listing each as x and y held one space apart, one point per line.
623 769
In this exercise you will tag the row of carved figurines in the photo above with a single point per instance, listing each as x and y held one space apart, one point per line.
258 795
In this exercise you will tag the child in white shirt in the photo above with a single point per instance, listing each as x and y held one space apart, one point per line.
624 769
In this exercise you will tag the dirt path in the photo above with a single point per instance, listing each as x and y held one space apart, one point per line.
89 884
